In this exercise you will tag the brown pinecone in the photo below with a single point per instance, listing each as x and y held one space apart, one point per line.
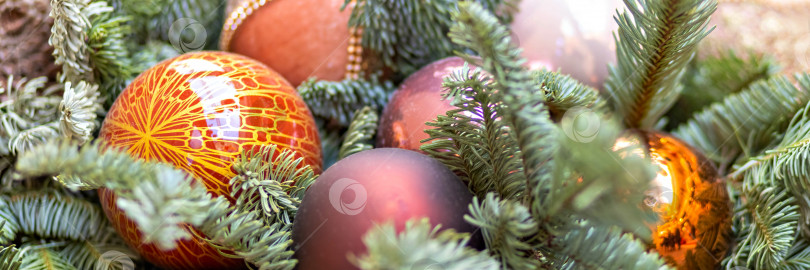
24 31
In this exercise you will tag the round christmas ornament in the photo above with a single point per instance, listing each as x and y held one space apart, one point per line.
418 100
374 186
690 198
574 36
24 31
297 38
197 112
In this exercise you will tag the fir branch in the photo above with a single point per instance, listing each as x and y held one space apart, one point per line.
785 162
86 255
26 117
44 258
473 142
745 123
359 136
267 247
158 198
798 257
161 200
710 80
330 143
52 215
108 52
599 195
271 187
68 38
10 257
655 41
337 101
563 93
407 34
769 228
602 248
505 225
79 106
478 30
404 34
420 246
150 54
27 139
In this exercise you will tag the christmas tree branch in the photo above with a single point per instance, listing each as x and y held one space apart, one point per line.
711 79
745 123
68 38
606 248
420 246
564 93
655 41
360 133
407 34
10 257
27 118
505 225
161 200
271 187
337 101
596 194
78 107
473 142
157 197
769 222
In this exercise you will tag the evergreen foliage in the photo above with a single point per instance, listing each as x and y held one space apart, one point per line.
654 43
543 198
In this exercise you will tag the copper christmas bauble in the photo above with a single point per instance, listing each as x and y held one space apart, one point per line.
417 100
690 198
374 186
574 36
297 38
197 112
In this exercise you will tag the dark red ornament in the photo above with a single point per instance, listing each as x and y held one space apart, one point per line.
418 100
374 186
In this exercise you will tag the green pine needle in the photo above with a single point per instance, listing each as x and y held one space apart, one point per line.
10 257
745 123
562 93
505 224
473 142
600 248
271 187
360 133
336 102
420 246
711 79
655 42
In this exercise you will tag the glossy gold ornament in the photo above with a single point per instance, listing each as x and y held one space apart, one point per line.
690 198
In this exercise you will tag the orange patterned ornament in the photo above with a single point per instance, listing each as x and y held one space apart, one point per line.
198 111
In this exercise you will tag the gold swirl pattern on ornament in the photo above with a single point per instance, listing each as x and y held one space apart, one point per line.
354 64
695 225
